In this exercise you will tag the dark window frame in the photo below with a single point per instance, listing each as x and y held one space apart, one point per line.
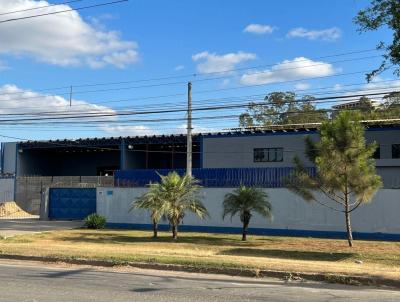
396 151
377 153
262 155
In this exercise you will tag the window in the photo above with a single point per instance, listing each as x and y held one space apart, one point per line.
377 153
396 151
268 154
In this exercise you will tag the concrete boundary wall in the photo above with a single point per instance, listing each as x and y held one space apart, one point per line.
7 189
292 215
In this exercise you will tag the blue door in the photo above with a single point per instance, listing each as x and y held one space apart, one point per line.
71 203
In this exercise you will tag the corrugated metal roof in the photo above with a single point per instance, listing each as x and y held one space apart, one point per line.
181 138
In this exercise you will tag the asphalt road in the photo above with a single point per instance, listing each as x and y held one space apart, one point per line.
12 227
28 281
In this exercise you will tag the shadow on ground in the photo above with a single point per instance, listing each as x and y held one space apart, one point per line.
113 238
287 254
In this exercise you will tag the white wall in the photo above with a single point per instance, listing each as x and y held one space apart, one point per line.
290 212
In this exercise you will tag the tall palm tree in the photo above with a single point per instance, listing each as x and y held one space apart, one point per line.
243 201
172 197
151 201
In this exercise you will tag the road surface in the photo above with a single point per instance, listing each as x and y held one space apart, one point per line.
29 281
12 227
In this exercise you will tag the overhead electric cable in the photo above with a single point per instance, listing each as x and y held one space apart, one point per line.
39 7
62 11
129 113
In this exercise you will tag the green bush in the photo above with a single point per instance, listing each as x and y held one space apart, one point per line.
95 221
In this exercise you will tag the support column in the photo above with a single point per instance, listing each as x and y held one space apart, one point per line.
122 164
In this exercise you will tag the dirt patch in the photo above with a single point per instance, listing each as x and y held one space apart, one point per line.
10 209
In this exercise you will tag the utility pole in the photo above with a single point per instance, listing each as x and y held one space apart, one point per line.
189 132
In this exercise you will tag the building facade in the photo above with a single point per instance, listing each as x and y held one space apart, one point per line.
258 149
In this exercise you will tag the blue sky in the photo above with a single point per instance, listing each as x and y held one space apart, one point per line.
288 40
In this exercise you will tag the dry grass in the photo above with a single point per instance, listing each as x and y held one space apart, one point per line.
381 259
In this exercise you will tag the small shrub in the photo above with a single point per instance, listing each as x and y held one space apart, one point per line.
95 221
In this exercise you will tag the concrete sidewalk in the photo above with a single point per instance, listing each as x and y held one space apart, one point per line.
12 227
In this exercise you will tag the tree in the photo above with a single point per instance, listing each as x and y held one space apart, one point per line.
282 108
366 105
152 202
383 13
345 167
391 105
243 201
173 196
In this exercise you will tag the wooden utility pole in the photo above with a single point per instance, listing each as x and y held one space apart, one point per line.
189 132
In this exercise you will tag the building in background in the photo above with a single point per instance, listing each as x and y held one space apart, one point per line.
272 147
360 104
58 179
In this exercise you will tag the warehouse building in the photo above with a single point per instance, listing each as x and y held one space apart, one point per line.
268 148
61 179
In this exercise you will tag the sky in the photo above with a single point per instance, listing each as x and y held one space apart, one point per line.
139 55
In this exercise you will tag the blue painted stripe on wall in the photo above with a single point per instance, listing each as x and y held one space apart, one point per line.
261 231
213 177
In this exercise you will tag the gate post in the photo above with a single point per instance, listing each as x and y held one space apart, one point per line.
44 204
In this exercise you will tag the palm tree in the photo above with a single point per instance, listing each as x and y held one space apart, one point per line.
180 193
244 201
151 201
172 197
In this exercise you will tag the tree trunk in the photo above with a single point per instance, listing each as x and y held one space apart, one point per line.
348 224
244 233
175 231
155 229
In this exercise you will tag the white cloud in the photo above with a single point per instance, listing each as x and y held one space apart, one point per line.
379 85
62 39
329 34
179 68
259 29
225 82
16 100
141 130
302 86
211 62
196 129
288 70
337 87
128 130
383 84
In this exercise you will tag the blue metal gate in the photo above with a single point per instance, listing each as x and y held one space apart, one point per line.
71 203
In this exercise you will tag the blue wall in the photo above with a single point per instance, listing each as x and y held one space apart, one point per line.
222 178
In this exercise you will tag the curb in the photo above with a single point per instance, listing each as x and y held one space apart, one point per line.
286 275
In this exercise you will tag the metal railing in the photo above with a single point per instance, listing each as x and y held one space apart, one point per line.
219 177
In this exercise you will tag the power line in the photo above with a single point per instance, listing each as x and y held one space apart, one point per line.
191 75
63 11
129 113
203 91
280 82
333 91
330 99
39 7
